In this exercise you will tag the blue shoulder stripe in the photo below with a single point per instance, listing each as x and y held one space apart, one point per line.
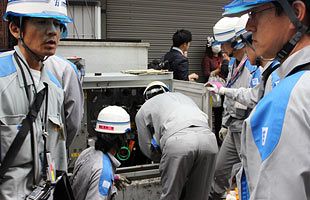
255 73
54 79
7 66
231 62
106 177
72 65
267 120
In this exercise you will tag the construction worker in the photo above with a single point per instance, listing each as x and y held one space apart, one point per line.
275 139
248 96
94 171
173 130
31 99
176 58
241 74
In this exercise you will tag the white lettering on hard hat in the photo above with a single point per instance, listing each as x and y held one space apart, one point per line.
104 127
264 135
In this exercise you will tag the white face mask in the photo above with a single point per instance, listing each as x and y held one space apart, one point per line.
216 48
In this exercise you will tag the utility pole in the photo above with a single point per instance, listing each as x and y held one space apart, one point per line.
3 28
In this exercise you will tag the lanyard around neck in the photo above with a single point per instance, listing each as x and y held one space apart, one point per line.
236 72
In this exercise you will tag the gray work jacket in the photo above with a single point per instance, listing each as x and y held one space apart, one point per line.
166 114
250 96
91 175
66 73
275 149
14 105
235 112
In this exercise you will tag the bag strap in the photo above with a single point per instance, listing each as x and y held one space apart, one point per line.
271 69
22 133
300 68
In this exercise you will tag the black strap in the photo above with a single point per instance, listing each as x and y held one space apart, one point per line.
300 68
22 133
271 69
23 75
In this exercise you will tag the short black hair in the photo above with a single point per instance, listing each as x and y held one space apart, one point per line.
181 36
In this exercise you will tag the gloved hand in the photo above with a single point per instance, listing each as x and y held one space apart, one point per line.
223 133
120 181
214 86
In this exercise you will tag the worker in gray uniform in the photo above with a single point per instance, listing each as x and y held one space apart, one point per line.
171 128
24 78
67 74
275 139
241 74
94 171
249 96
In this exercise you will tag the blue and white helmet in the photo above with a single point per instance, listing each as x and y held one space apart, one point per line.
224 29
239 7
55 9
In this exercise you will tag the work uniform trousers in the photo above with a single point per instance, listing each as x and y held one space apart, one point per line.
228 156
187 164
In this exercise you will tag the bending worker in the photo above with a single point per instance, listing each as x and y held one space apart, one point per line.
172 129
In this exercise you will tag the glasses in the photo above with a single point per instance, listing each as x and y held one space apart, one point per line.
253 14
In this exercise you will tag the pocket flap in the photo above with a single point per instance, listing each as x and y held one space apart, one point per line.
54 120
12 120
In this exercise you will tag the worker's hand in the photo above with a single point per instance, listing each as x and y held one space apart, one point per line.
214 86
120 181
223 133
193 77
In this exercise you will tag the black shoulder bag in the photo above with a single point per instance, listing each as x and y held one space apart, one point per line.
269 70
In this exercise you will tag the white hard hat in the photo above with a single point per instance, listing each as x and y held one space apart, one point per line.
155 88
113 120
241 24
56 9
224 29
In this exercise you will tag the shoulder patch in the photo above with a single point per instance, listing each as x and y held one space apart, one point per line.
106 177
7 66
269 116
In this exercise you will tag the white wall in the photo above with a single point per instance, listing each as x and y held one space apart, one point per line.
107 56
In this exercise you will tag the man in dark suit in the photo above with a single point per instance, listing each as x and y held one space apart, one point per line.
176 57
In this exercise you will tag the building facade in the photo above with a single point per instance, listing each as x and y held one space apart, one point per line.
141 20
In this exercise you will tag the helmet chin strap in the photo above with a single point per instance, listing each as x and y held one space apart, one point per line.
32 54
290 45
301 30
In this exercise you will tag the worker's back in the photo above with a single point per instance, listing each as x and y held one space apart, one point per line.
170 112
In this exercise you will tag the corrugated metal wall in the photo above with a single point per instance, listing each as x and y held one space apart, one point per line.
156 21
